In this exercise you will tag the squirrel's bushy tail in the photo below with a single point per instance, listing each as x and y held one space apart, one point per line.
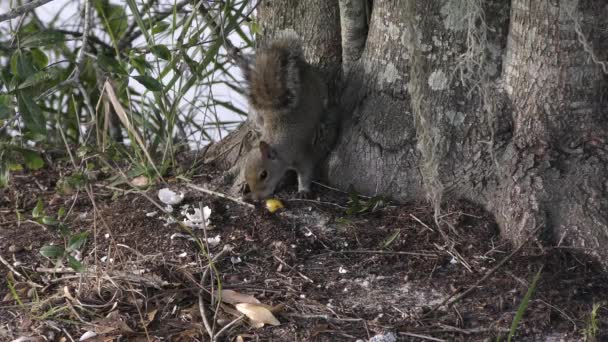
274 73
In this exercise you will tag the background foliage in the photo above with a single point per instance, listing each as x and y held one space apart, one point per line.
165 61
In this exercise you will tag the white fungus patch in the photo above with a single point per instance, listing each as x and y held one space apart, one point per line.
390 74
438 80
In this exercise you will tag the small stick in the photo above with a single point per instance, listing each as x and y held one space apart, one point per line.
325 317
55 270
10 267
227 326
219 194
422 223
385 252
424 337
293 269
317 202
17 11
201 307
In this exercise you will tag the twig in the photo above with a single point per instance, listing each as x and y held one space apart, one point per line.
201 307
384 252
325 317
424 337
201 304
15 12
293 269
227 326
55 270
337 190
85 39
10 267
74 78
317 202
219 194
422 223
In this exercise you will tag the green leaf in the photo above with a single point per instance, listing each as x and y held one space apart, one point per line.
160 27
52 251
32 159
43 38
61 212
4 175
391 238
161 51
49 220
6 110
113 18
75 264
140 63
77 241
13 167
38 209
22 64
39 58
149 82
137 16
30 112
110 64
49 74
255 28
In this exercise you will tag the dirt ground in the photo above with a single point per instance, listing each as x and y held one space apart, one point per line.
328 273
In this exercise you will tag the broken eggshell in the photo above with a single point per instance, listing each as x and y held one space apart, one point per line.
170 197
198 219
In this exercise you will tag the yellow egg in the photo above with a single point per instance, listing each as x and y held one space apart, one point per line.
273 205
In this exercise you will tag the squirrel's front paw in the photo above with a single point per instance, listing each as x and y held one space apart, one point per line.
304 194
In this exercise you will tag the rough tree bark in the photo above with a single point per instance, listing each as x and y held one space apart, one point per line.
503 104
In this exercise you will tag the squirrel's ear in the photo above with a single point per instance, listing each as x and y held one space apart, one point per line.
266 150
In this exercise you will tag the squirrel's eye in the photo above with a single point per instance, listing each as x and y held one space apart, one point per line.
263 175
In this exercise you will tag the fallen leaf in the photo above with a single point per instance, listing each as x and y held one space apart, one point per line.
233 297
258 314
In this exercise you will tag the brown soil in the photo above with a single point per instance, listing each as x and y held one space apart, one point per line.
335 277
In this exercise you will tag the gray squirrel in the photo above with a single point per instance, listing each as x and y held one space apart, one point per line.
289 108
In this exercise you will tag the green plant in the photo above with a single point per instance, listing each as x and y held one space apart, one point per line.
523 306
72 244
360 205
593 327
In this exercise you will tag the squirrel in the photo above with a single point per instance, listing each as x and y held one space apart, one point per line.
288 103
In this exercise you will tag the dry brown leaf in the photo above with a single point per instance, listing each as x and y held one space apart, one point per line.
240 339
229 310
151 315
257 314
256 325
233 297
113 322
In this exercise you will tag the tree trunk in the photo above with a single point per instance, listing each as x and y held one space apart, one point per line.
503 104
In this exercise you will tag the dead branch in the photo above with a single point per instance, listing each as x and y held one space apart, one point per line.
15 12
